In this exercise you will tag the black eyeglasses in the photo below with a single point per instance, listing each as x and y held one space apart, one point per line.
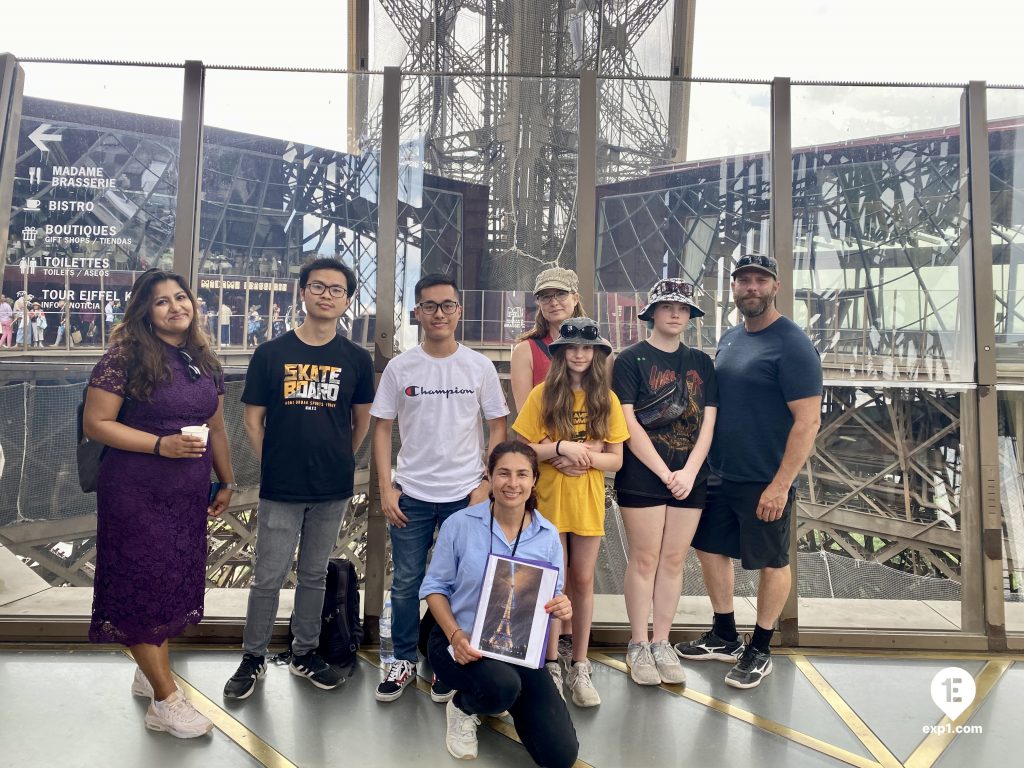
193 370
430 307
336 291
571 331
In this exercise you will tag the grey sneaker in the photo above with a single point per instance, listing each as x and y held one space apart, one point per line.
555 670
710 647
584 694
640 664
665 659
460 737
753 667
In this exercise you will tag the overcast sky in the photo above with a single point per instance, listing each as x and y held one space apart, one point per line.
876 40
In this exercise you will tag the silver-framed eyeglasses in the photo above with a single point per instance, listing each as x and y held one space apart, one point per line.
336 291
449 307
551 296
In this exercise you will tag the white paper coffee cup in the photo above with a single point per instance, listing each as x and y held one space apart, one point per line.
202 432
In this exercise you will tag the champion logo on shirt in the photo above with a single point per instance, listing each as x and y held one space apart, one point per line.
415 391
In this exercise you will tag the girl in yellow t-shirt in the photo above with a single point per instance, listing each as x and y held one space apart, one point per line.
575 424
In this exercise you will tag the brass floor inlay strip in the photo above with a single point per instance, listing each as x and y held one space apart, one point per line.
769 726
496 724
248 741
852 720
934 744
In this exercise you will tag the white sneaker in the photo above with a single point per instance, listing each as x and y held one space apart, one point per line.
667 663
461 735
141 686
555 670
178 717
583 692
640 664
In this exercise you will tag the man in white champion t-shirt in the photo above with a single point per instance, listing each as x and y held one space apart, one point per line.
438 391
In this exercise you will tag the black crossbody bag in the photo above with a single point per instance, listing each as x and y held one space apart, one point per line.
661 408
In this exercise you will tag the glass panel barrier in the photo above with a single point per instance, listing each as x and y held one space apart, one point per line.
1006 150
882 261
487 195
93 204
681 204
288 177
879 231
674 203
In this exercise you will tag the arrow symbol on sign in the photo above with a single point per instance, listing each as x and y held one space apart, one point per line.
40 135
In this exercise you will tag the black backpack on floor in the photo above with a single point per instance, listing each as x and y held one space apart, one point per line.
341 632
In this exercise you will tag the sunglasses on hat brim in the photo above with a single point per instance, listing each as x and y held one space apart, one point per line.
587 332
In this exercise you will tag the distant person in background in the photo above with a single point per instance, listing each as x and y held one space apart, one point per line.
254 328
6 322
276 322
108 315
37 318
21 305
153 491
225 323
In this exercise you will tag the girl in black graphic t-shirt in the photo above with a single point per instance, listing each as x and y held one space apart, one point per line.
662 484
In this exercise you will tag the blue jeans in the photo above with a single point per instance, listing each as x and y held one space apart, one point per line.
280 525
409 548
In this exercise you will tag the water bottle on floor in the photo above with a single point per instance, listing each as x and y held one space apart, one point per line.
387 647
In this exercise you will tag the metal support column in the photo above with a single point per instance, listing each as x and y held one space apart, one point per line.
586 192
358 61
190 175
782 248
384 335
12 86
982 602
681 65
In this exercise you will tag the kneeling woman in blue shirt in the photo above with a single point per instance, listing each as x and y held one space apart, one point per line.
507 525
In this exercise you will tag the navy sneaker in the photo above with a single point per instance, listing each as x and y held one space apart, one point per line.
321 674
710 647
243 682
399 675
440 692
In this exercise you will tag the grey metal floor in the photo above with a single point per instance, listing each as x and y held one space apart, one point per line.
73 708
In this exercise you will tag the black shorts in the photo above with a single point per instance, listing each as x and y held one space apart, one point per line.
695 499
729 526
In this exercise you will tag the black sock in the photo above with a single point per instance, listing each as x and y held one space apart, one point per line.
725 625
762 638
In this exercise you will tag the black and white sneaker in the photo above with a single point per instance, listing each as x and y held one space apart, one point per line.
753 667
710 647
243 682
321 674
399 675
440 692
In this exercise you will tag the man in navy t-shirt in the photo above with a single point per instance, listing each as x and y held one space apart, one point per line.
769 395
307 410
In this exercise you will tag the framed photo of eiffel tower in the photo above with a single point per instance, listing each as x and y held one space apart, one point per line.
510 623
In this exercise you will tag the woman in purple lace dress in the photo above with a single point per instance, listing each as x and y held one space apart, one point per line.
158 376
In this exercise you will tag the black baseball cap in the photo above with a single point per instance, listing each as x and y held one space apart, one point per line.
757 261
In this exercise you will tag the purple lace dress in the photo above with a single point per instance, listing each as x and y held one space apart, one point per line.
151 522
